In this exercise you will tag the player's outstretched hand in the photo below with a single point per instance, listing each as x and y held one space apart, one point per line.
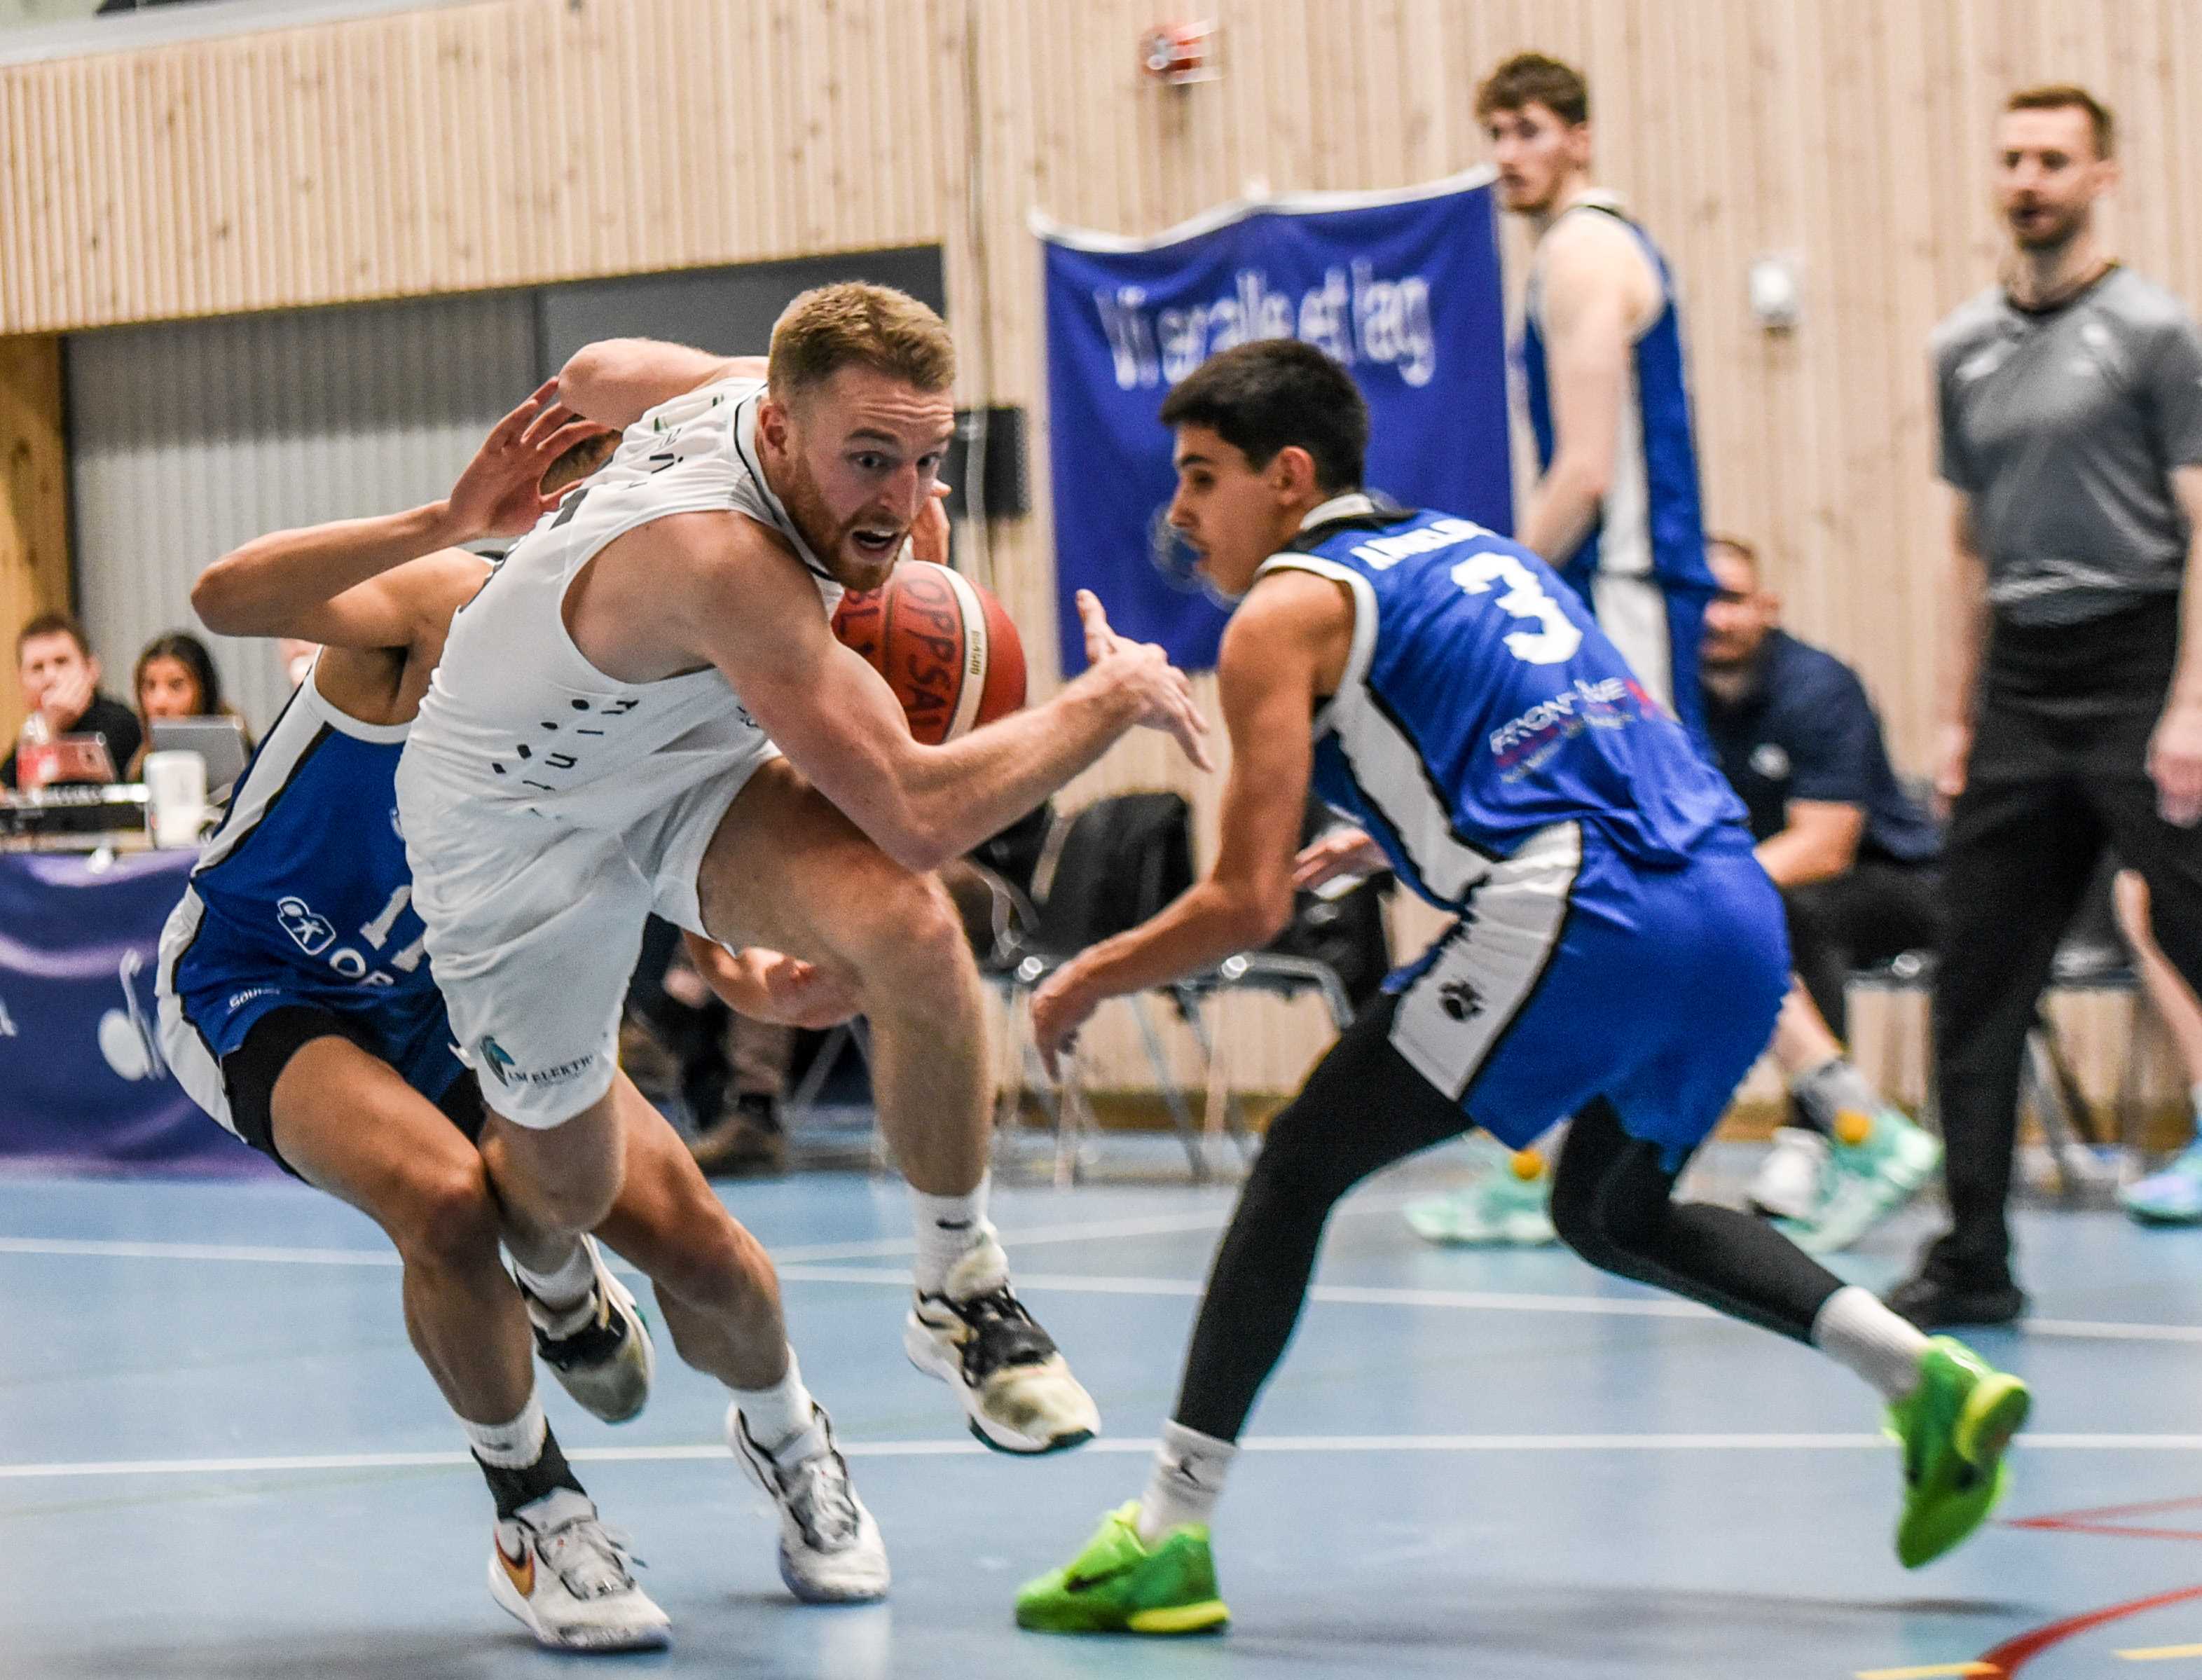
1165 695
1340 852
500 493
769 986
797 993
1060 1007
2175 764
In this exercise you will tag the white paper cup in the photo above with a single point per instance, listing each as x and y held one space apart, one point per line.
175 797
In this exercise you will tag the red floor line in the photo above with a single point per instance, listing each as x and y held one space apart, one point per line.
2057 1519
2126 1530
2013 1654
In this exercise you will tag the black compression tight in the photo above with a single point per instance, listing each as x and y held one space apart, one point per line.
1364 1107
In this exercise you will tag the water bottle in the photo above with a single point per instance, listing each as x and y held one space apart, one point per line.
34 755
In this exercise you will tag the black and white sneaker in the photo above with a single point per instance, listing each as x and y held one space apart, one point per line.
830 1549
600 1350
974 1335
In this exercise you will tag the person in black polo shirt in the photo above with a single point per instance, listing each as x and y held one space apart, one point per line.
2070 402
60 676
1854 858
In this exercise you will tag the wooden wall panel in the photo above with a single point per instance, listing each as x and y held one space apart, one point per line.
519 141
34 565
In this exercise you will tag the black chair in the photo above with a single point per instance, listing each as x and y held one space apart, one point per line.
2048 1081
1102 869
1108 868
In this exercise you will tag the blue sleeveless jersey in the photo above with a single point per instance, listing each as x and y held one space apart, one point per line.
303 894
1482 704
1651 522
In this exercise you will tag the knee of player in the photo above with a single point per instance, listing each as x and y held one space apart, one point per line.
909 927
721 1265
1603 1224
572 1205
446 1214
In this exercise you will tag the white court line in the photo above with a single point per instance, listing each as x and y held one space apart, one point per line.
1349 1294
796 1264
882 1249
256 1254
1610 1306
926 1449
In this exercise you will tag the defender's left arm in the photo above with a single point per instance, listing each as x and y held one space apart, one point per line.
616 381
1270 673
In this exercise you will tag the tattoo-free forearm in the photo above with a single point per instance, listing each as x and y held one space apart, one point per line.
259 588
969 791
1206 924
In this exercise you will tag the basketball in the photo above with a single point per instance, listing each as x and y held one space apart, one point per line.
943 643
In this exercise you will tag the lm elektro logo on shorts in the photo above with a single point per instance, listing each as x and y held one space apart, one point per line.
494 1057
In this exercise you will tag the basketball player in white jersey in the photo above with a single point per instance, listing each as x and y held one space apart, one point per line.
603 738
1616 512
330 1052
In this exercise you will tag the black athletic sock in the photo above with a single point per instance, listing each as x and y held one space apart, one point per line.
1613 1204
513 1487
1363 1107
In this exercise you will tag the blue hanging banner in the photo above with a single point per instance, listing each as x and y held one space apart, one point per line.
1401 287
83 1086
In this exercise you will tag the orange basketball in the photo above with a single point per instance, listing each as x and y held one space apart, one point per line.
943 643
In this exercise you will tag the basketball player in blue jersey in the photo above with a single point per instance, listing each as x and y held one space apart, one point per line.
296 1009
1617 955
1616 512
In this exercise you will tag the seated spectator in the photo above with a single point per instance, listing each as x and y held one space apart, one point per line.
60 675
2173 1195
176 678
1855 859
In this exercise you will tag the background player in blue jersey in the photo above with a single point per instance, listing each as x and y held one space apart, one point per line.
295 1007
1618 953
1616 508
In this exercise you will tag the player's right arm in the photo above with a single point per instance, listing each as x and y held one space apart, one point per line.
749 609
339 583
1966 636
616 381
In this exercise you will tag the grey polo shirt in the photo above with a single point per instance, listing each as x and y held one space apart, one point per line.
2061 426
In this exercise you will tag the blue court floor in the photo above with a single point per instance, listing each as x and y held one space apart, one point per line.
219 1458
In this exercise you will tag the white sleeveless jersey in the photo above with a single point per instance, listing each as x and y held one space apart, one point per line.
517 717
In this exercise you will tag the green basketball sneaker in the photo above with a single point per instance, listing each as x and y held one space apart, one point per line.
1507 1204
1120 1585
1954 1428
1879 1162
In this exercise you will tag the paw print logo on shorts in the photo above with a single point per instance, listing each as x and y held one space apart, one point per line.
1460 1000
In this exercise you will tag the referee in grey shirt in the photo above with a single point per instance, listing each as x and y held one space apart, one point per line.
2070 402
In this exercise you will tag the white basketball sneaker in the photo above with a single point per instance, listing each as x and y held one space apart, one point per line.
600 1350
1791 1180
563 1576
975 1335
830 1549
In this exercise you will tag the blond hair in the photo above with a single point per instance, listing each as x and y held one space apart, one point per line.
830 328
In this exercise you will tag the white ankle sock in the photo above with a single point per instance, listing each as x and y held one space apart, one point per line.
947 1228
513 1446
1857 1331
775 1415
569 1284
1187 1480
